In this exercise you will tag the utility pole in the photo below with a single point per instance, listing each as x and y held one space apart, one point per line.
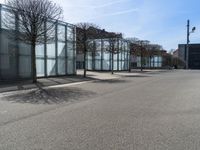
188 41
187 46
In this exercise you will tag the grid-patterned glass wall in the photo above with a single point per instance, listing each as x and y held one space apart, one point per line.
153 62
53 57
99 55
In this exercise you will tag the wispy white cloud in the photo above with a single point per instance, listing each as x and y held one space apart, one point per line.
97 6
110 3
116 13
123 12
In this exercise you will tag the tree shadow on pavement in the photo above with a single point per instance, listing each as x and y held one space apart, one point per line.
111 81
138 76
49 96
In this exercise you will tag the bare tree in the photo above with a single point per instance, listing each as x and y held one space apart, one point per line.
112 50
133 50
85 31
35 20
139 47
113 47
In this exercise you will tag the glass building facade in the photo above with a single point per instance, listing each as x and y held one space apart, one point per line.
99 55
55 57
150 62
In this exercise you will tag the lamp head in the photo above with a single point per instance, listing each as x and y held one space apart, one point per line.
193 29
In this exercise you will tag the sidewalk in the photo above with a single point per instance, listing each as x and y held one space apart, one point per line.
99 75
42 82
138 72
55 81
72 80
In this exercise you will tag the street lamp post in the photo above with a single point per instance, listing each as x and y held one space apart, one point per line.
188 41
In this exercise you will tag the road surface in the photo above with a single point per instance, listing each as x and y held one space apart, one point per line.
158 111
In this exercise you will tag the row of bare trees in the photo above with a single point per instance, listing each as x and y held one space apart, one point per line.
144 49
89 31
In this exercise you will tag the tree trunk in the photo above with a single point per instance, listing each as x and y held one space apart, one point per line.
130 62
141 61
112 62
150 62
84 67
85 53
33 62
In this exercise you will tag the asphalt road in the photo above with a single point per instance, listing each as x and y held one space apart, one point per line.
158 111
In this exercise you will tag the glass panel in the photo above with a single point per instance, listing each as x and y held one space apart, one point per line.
115 65
106 46
120 56
119 63
8 46
61 33
61 49
24 60
9 68
51 64
97 64
24 49
123 66
98 55
61 67
8 20
51 50
106 65
51 27
70 66
98 45
70 45
70 50
70 34
40 50
106 55
40 67
89 55
115 56
89 64
5 62
90 46
123 56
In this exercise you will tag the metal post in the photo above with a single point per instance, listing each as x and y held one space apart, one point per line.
74 49
17 45
118 52
188 40
93 55
45 49
129 57
102 49
66 50
141 57
56 47
122 47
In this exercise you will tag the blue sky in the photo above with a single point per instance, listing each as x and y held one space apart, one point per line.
159 21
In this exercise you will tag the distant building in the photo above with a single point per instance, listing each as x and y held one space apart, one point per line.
175 53
194 55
